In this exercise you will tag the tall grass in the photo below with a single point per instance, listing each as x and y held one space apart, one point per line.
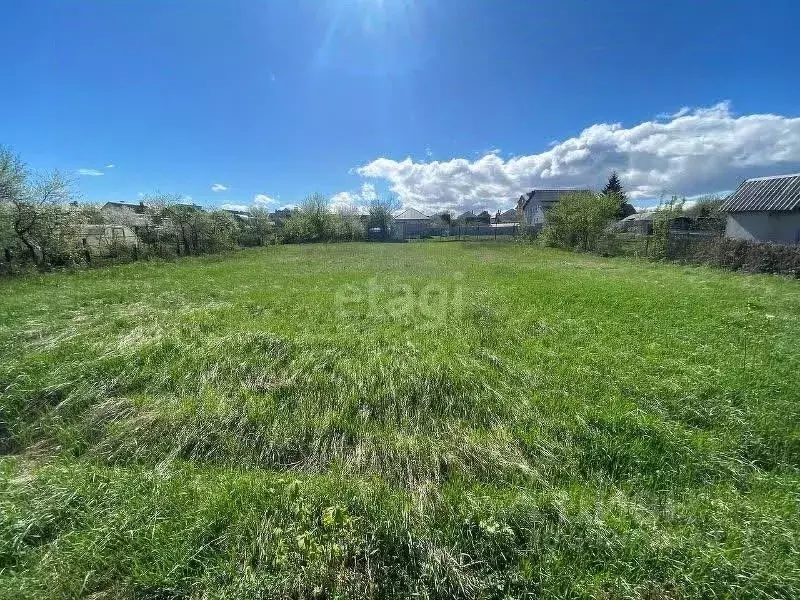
571 426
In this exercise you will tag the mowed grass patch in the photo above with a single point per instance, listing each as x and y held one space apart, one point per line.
440 419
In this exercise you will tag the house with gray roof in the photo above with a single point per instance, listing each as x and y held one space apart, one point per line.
506 216
131 214
765 209
533 206
410 222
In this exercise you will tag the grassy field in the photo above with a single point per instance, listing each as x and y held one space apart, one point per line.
442 420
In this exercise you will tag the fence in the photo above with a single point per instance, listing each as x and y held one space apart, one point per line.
684 239
676 244
402 231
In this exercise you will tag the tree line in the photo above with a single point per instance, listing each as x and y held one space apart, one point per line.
43 224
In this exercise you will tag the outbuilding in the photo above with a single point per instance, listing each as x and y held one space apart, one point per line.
410 222
765 209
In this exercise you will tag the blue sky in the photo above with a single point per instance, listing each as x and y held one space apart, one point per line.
450 103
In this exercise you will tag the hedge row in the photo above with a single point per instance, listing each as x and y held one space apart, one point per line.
754 257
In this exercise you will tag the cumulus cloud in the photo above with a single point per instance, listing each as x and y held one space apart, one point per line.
259 201
110 166
89 172
690 152
238 207
358 201
263 199
218 187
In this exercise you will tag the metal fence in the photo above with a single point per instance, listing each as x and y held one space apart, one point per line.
457 232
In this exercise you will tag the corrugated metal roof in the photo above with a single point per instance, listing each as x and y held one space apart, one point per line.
548 197
780 193
410 214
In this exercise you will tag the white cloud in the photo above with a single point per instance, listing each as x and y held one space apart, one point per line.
694 151
89 172
261 199
368 193
344 201
357 201
239 207
110 166
218 187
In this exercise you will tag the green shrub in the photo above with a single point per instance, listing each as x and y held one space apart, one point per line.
578 220
756 257
314 221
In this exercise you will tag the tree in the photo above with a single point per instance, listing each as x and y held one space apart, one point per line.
170 222
260 224
614 189
348 224
663 218
315 210
381 213
577 220
37 207
13 176
313 221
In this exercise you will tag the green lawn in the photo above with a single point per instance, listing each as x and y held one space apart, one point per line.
381 420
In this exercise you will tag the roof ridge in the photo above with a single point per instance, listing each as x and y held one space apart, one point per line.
773 177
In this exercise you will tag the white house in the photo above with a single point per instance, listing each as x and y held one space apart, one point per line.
99 239
410 222
765 209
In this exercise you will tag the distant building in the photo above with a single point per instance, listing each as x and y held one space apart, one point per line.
484 218
467 218
280 215
533 206
241 216
641 223
765 209
508 216
411 222
133 215
638 224
99 239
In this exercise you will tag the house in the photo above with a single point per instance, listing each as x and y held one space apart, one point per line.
533 206
508 216
765 209
133 215
99 239
641 223
411 222
638 224
186 207
467 218
240 216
